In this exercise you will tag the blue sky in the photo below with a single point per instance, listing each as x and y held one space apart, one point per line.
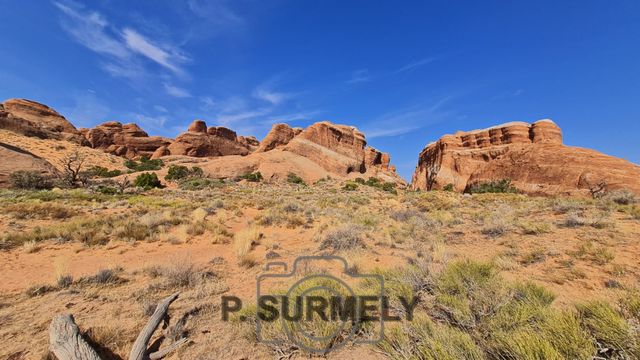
403 72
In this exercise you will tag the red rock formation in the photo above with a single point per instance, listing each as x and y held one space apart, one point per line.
215 141
279 135
339 149
16 159
127 140
531 156
30 118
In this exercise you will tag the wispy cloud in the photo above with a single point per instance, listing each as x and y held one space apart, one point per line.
273 97
407 119
143 46
415 65
359 76
364 75
91 29
285 118
176 91
123 50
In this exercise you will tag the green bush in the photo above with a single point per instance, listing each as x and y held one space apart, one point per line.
252 177
448 187
31 180
178 172
147 181
99 171
493 186
295 179
145 164
360 181
350 186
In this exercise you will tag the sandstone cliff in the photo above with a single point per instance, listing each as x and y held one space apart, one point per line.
203 141
531 155
30 118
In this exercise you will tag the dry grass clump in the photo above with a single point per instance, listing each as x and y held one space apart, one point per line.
244 240
621 197
534 227
346 238
31 210
574 219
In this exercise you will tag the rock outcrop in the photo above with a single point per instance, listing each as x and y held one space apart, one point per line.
16 159
33 119
338 149
200 141
532 156
127 140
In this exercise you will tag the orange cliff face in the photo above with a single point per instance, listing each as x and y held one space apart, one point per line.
532 156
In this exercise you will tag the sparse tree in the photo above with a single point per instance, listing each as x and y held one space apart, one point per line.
123 184
72 166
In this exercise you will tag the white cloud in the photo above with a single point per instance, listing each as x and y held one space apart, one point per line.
275 119
91 30
123 50
176 91
141 45
414 65
272 97
87 111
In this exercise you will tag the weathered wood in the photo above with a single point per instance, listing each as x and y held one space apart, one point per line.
165 351
139 350
66 342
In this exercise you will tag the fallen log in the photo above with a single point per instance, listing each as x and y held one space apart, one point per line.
66 341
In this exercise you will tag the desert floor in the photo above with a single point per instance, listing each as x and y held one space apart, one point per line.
108 258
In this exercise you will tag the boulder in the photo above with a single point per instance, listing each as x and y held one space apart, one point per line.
198 126
532 156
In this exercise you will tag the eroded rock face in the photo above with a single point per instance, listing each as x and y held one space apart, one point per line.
532 156
127 140
30 118
338 149
16 159
201 141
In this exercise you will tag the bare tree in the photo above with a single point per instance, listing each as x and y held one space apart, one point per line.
72 167
123 184
598 189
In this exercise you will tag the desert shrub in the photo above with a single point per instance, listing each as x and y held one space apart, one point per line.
346 238
252 177
621 197
448 187
607 326
38 290
105 276
178 172
350 186
180 274
147 181
28 210
389 187
359 180
493 186
495 227
534 227
574 220
295 179
145 164
64 281
424 339
107 190
103 172
30 180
